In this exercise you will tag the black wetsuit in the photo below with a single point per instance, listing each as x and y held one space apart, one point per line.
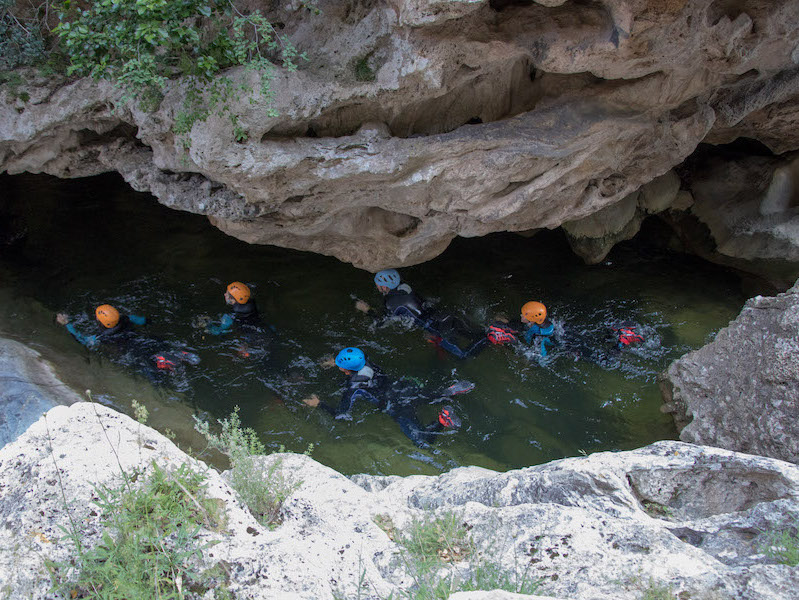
449 332
152 357
398 399
247 312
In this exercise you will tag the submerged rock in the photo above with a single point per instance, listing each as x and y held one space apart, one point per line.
28 389
741 391
608 526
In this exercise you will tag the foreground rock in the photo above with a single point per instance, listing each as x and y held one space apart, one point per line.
607 526
741 392
28 388
415 122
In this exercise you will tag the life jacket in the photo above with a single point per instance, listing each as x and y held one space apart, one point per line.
368 377
501 333
122 325
626 336
245 311
403 298
164 363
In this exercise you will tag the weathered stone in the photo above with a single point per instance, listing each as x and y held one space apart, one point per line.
607 526
741 391
595 235
660 193
28 389
747 205
483 116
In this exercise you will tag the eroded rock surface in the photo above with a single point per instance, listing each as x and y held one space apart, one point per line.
606 526
415 121
741 391
28 388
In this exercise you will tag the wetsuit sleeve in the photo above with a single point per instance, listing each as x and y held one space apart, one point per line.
225 324
87 340
137 320
348 398
531 332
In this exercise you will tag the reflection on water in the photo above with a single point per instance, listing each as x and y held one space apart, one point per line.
70 245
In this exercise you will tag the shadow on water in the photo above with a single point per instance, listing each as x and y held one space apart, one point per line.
70 245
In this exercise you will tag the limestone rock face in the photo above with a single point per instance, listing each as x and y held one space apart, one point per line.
741 391
607 526
745 214
415 122
28 388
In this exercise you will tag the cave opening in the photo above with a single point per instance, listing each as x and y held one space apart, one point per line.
68 245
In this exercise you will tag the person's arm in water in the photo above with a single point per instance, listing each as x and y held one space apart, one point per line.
89 341
545 331
348 399
224 326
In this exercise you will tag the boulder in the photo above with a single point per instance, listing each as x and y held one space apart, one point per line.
607 526
741 391
28 389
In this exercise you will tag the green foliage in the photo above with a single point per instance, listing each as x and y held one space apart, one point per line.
658 511
488 575
430 544
10 82
22 40
140 412
363 72
141 44
437 540
783 546
658 591
263 491
149 544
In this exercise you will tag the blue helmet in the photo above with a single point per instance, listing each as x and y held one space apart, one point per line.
352 359
388 277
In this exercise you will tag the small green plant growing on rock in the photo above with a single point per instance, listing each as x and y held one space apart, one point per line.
783 546
363 71
263 491
429 544
385 523
658 511
438 540
149 544
658 591
11 82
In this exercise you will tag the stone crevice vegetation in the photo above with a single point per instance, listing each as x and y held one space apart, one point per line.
150 541
262 489
438 552
141 45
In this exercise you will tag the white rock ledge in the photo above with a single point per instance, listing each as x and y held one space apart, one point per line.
580 523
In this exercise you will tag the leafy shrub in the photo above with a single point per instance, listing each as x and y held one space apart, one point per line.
262 491
140 44
21 37
149 547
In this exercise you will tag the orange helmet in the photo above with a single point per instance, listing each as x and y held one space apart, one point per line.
239 291
107 315
534 312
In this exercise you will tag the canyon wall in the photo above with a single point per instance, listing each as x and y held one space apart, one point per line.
415 122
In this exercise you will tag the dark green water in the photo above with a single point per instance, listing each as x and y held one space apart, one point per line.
70 245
